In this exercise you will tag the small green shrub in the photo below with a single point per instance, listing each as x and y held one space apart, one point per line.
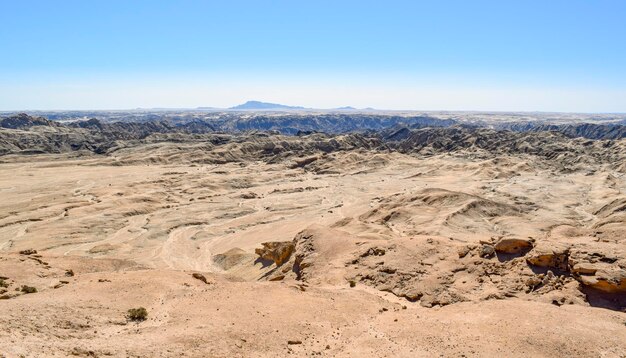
137 314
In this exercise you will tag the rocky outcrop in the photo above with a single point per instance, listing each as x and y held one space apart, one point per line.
549 255
552 146
23 134
24 121
613 281
584 268
584 130
431 271
603 270
277 251
512 245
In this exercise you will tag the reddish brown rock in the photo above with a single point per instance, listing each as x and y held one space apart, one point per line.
512 245
613 281
551 255
277 251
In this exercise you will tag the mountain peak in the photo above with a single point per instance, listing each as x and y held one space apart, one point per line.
263 105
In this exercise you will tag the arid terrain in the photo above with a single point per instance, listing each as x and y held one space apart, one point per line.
406 240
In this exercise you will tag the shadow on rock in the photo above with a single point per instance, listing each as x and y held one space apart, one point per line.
598 298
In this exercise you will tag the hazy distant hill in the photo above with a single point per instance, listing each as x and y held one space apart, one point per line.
264 105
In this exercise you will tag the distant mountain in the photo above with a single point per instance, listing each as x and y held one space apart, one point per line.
263 105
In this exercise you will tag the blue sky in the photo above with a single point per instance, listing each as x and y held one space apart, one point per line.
424 55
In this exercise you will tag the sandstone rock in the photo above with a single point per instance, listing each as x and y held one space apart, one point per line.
513 245
463 251
613 281
550 255
277 251
584 268
411 294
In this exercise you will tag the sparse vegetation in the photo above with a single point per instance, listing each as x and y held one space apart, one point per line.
28 289
200 277
3 283
137 314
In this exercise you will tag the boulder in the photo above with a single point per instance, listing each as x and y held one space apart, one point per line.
277 251
513 245
549 255
613 281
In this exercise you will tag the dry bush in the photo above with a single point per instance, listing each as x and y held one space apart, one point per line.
137 314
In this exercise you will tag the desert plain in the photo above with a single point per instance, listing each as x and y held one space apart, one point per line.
433 242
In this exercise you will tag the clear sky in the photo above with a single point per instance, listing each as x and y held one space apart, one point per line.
545 55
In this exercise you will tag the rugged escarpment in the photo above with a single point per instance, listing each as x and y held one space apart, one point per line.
23 134
583 130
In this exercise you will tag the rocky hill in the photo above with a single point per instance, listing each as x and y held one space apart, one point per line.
425 136
23 120
584 130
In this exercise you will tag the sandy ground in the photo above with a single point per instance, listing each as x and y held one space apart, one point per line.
143 228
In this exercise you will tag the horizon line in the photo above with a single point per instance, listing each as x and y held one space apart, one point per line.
303 109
